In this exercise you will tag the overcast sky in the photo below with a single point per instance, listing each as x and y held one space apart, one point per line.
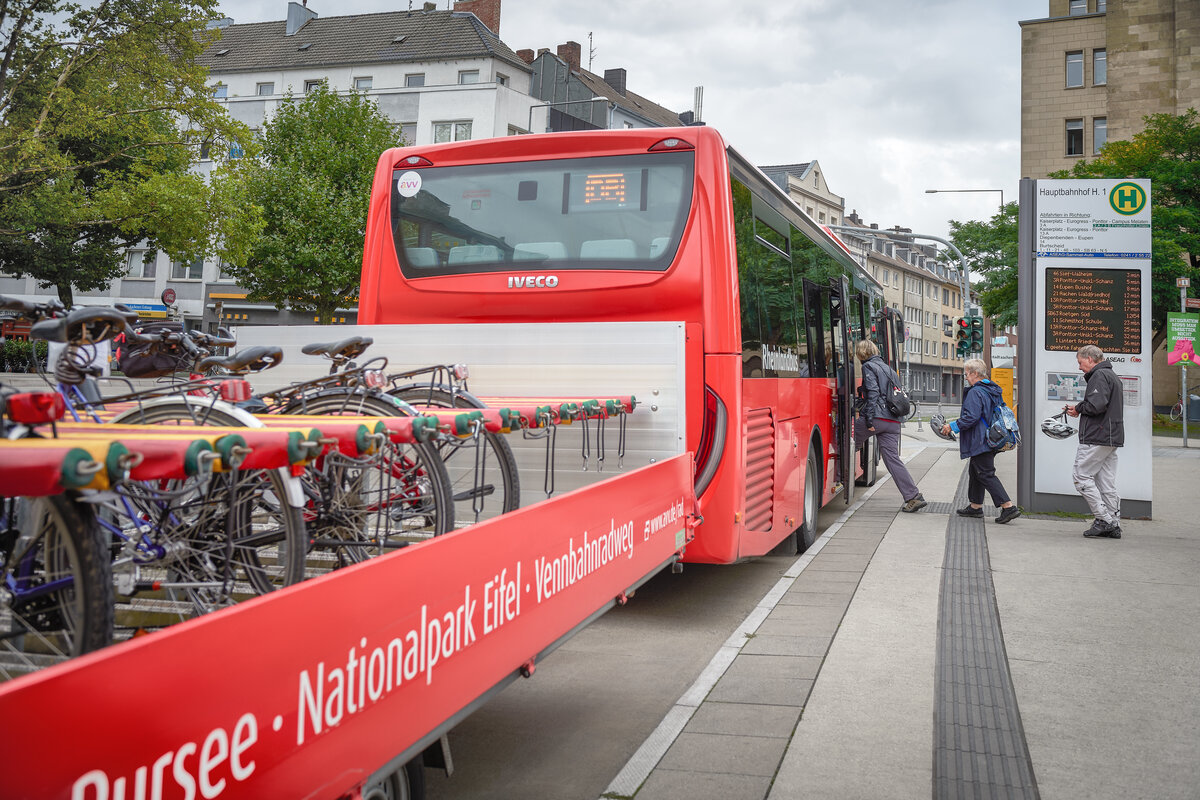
892 97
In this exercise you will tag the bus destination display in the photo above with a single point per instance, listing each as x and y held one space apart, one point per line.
1094 306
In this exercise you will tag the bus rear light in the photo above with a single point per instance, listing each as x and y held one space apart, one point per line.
712 440
672 144
415 161
35 408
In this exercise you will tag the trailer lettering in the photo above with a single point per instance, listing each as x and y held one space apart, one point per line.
326 695
532 281
218 748
501 600
668 518
554 575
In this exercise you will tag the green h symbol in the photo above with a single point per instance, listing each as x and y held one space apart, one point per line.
1127 197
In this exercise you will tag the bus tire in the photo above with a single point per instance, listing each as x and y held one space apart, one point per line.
807 532
406 783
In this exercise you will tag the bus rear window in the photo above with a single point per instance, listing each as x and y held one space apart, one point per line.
616 212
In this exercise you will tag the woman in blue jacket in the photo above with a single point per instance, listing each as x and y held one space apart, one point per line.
979 402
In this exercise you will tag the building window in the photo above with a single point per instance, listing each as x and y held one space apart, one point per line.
833 221
222 275
1078 7
140 263
415 79
263 89
1099 67
821 217
501 79
1101 6
187 271
1099 133
945 349
451 132
408 133
362 84
219 91
468 76
513 130
1075 69
1074 137
312 85
887 277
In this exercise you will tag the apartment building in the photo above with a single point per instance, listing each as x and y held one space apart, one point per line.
805 183
578 99
1092 69
927 292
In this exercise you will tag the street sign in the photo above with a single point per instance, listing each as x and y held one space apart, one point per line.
1183 283
168 297
1192 302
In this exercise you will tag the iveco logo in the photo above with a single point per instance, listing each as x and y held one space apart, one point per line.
532 281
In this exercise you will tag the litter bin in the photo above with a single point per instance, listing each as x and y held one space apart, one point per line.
1193 408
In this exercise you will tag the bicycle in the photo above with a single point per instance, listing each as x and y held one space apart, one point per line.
354 506
56 597
1176 411
180 547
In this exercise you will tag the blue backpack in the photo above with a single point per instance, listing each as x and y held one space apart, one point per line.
1003 434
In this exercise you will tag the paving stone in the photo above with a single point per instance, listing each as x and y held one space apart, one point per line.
735 688
666 784
807 626
721 753
774 645
744 719
817 599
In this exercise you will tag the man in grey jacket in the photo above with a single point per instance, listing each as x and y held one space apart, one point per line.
1101 432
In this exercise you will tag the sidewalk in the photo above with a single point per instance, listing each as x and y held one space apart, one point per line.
919 655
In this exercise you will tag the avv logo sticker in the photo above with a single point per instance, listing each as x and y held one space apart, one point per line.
409 184
1127 199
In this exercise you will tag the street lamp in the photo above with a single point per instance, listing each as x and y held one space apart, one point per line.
939 191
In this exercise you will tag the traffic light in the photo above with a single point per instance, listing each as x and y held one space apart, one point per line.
962 335
976 337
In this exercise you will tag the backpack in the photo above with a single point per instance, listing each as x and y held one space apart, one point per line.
897 402
1003 434
139 361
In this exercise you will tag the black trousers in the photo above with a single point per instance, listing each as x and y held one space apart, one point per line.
981 476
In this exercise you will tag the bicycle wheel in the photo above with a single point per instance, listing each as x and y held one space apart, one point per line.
483 472
1177 411
913 411
59 598
361 508
206 542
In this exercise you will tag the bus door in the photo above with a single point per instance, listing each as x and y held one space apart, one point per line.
841 312
829 350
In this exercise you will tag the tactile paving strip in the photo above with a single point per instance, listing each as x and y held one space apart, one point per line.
951 508
979 748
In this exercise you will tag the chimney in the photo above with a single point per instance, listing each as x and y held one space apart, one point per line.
874 226
571 52
525 55
297 16
687 117
430 7
616 79
488 12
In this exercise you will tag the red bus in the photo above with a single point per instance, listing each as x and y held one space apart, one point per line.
650 225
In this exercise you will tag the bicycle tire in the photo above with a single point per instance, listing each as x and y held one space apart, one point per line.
225 508
499 466
1176 412
41 630
407 496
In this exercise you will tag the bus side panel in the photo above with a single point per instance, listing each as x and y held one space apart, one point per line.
717 538
378 282
718 253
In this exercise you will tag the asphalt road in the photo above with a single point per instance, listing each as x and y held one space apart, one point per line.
565 733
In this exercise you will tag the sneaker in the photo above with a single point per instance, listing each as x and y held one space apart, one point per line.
1103 530
1008 514
968 511
916 504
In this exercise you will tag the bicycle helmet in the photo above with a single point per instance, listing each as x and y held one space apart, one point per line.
936 423
1056 427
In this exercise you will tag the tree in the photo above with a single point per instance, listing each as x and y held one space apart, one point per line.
102 112
990 249
313 183
1167 151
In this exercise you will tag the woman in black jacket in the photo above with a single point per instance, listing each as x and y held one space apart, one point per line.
875 420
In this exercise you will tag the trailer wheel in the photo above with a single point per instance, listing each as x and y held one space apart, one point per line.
406 783
812 501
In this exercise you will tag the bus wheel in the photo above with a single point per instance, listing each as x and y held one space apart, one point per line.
812 501
406 783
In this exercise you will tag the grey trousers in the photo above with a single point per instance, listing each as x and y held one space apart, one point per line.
888 434
1095 478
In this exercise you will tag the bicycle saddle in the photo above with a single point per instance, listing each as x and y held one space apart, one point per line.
81 326
252 359
346 348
